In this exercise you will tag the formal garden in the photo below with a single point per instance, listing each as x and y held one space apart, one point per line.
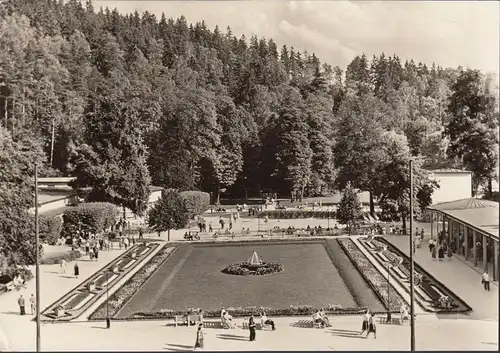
310 274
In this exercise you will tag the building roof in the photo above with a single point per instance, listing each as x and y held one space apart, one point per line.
483 215
449 170
48 196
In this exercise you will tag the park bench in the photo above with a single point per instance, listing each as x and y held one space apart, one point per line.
258 326
394 321
187 319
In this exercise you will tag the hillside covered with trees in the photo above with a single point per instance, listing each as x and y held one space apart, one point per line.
126 101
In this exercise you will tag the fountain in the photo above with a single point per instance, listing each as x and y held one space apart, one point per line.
253 266
255 262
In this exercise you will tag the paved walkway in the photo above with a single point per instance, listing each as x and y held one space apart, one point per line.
155 336
457 276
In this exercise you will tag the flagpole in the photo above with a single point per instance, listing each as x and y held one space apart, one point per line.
412 267
37 263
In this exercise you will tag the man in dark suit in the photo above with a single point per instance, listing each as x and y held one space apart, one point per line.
251 327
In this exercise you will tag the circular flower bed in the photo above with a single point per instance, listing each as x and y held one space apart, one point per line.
244 269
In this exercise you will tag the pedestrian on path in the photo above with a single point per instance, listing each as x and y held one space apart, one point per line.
251 327
486 280
33 304
199 344
433 253
76 270
63 266
432 245
366 318
372 328
21 303
449 253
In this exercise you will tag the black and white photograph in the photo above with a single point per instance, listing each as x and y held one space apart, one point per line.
257 175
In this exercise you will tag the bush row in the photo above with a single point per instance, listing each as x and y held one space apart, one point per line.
50 229
196 202
292 310
290 214
374 278
69 256
93 217
124 293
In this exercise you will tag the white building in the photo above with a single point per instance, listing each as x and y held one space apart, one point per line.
55 194
454 184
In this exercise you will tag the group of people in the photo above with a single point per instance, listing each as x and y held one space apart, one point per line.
22 304
440 249
319 317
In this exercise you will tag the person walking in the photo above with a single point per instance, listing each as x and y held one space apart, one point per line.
251 327
199 344
372 328
486 280
140 234
366 318
449 253
63 266
433 252
210 227
21 303
76 270
33 304
432 245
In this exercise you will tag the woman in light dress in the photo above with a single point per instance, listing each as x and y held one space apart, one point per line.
200 341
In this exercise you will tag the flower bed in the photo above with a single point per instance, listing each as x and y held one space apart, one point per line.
376 280
122 295
293 310
290 214
242 269
459 306
83 289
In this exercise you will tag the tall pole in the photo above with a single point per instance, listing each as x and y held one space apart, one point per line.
108 321
37 263
389 318
412 267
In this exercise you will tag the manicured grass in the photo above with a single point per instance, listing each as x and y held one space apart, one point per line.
192 278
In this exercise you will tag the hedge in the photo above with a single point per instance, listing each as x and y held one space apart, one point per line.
69 256
374 278
292 310
197 202
50 229
92 217
285 214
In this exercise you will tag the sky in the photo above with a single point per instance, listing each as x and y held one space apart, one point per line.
449 33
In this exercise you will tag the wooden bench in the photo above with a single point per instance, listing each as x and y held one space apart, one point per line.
186 319
258 326
394 320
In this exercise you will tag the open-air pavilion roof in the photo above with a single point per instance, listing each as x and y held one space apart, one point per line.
482 215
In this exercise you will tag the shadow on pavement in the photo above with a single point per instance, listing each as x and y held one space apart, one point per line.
99 327
346 333
232 337
13 313
178 347
302 324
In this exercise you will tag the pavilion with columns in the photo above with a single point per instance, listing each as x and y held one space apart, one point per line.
470 226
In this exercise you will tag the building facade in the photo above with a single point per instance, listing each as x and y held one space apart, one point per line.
454 184
470 227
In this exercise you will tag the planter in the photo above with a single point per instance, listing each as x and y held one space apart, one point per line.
91 287
59 312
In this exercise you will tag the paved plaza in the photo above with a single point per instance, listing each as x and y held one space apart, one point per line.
477 331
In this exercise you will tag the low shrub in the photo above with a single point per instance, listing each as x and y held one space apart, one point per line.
197 202
50 229
93 217
292 214
292 310
242 269
124 293
374 278
69 256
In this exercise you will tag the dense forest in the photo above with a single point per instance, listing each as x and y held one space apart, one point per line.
127 101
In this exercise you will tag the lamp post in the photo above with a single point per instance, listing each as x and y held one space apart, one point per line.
412 267
37 263
108 320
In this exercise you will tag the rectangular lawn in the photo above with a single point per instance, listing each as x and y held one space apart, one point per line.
193 279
